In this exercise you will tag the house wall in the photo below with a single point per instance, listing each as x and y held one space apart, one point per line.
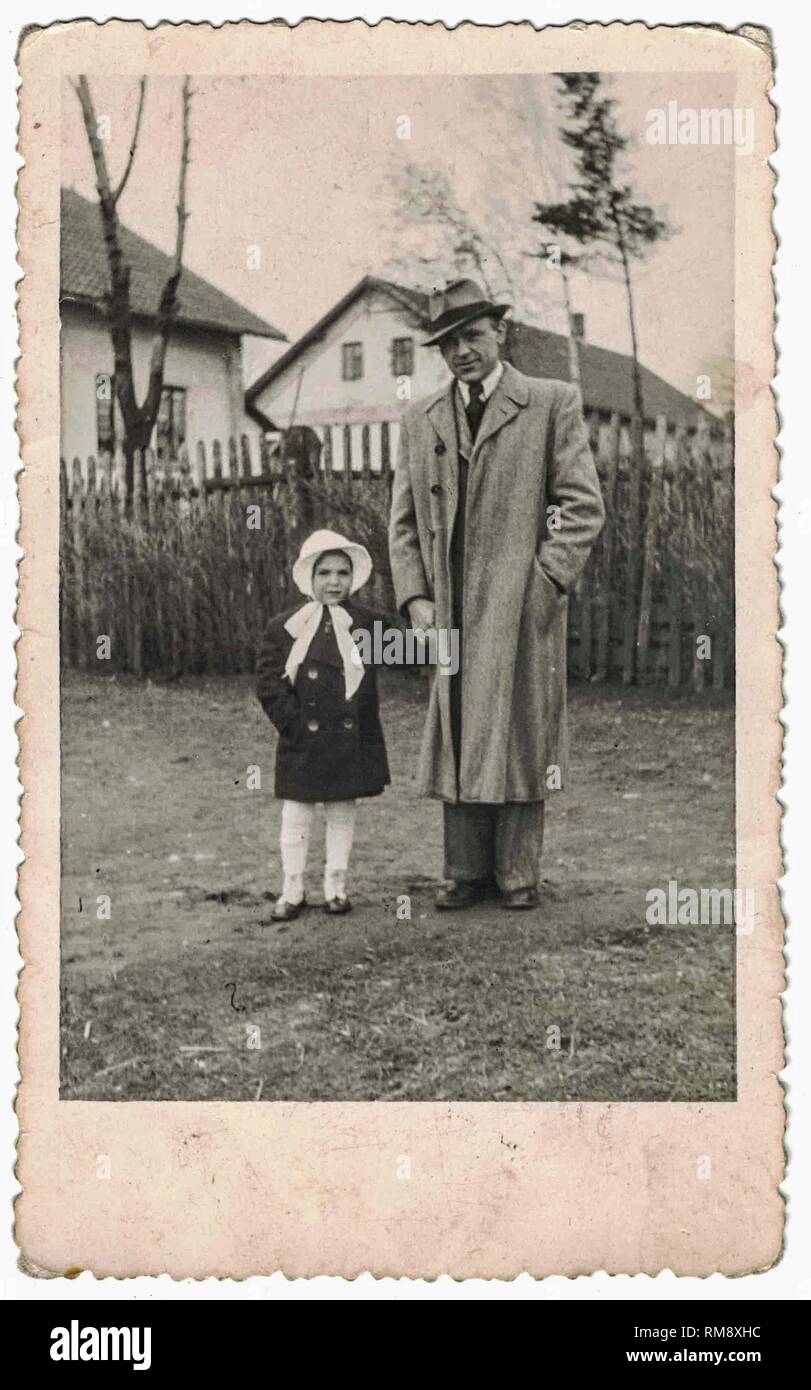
207 364
311 390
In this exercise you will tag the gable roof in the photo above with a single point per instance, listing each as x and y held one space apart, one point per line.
85 278
606 376
415 304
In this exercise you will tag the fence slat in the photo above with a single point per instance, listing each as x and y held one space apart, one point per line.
80 517
636 466
120 476
699 536
134 592
657 472
675 580
149 481
582 623
606 566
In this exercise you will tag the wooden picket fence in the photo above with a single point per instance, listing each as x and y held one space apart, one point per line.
182 576
656 602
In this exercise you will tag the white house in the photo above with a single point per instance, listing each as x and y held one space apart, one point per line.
353 373
203 395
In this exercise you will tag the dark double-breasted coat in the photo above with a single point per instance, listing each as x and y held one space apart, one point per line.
330 748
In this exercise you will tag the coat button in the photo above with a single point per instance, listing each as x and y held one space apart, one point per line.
439 448
348 723
313 673
436 489
312 725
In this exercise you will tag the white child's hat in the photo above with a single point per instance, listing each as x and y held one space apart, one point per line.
318 544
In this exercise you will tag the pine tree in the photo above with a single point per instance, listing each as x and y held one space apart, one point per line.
601 214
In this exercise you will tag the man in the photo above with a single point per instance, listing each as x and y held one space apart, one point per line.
496 504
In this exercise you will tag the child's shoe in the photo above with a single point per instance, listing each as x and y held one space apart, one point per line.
335 900
335 907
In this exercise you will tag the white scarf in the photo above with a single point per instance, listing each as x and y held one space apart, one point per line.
304 624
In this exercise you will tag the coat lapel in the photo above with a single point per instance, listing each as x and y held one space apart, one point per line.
507 399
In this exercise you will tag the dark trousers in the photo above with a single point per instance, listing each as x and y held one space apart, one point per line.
502 843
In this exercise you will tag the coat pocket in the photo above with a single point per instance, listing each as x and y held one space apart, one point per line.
291 733
549 602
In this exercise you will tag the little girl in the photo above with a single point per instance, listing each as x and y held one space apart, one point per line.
323 701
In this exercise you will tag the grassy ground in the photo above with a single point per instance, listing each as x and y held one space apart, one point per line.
163 1000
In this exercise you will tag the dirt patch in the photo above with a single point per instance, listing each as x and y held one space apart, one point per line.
189 992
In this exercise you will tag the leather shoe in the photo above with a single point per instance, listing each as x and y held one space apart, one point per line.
287 912
336 906
457 895
519 899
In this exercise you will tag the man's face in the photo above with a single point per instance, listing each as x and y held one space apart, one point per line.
472 351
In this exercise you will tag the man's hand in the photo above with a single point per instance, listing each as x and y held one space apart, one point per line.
422 613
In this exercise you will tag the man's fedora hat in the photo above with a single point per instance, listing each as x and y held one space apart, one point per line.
458 303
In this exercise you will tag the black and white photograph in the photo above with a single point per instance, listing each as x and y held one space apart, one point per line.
401 654
397 587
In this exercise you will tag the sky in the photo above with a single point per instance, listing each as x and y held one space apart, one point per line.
293 193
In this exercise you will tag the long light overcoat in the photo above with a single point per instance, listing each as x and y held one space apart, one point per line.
534 509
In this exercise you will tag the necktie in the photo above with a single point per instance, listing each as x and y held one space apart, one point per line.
474 409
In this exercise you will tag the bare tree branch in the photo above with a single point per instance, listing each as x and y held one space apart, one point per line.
134 145
167 308
427 197
118 305
82 90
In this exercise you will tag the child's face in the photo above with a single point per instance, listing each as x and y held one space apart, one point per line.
332 578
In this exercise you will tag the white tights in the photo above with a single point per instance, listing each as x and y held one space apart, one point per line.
297 823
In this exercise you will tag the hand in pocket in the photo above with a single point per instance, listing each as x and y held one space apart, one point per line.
549 598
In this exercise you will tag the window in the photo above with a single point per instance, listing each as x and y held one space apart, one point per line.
352 361
170 426
402 357
327 456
